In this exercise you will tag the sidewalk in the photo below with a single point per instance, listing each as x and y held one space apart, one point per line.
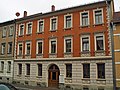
25 87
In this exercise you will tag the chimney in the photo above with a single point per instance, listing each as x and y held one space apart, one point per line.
25 13
52 8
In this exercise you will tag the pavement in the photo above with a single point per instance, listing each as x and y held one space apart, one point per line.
26 87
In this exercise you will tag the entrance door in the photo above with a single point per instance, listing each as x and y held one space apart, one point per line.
53 76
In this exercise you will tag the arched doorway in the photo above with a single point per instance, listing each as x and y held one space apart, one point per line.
53 76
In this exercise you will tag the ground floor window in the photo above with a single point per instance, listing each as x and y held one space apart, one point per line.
69 70
86 70
39 69
19 69
101 70
27 69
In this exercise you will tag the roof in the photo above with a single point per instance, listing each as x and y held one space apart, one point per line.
66 10
7 23
116 17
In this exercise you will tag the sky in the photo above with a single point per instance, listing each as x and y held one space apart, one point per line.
8 8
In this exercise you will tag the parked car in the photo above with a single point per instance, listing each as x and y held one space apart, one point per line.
7 86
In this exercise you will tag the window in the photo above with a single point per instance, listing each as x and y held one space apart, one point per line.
101 70
98 16
68 21
19 69
84 19
69 70
9 67
53 46
86 70
85 43
39 48
68 45
27 69
39 69
100 89
11 31
2 66
53 23
40 26
99 42
28 48
20 48
114 27
4 32
3 48
29 28
9 47
85 88
21 29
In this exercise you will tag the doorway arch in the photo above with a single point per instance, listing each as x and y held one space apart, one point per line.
53 76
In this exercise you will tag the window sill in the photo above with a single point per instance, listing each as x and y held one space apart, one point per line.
98 24
29 34
8 71
20 55
100 79
3 36
27 75
52 53
39 54
10 36
19 75
38 76
40 32
20 35
27 54
68 28
67 53
85 52
87 79
68 78
100 51
84 26
53 30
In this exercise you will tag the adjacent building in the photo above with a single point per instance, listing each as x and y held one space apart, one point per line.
116 34
7 35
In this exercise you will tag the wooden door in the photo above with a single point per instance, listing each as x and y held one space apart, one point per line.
53 76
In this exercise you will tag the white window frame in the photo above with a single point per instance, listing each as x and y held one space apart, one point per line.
27 27
11 31
94 15
81 18
51 23
23 29
54 39
71 20
18 48
83 36
2 48
27 42
99 34
4 32
39 27
65 38
37 46
8 51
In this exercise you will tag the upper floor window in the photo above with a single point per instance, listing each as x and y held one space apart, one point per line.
69 70
101 70
3 48
2 66
27 69
4 32
19 69
84 19
99 42
11 31
68 45
21 29
68 21
28 48
53 24
9 47
98 16
85 41
39 48
20 48
86 70
40 26
9 67
53 46
29 28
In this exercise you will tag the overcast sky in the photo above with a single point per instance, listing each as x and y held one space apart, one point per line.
8 8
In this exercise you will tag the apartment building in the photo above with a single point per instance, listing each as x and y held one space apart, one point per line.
7 35
116 34
67 48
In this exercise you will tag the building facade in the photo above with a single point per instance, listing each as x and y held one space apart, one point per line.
116 34
7 36
69 48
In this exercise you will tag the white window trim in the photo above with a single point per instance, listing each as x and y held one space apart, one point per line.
100 34
5 31
10 29
51 23
65 38
38 25
83 36
9 47
18 49
27 27
27 42
55 39
2 48
65 20
81 18
37 46
23 29
94 15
